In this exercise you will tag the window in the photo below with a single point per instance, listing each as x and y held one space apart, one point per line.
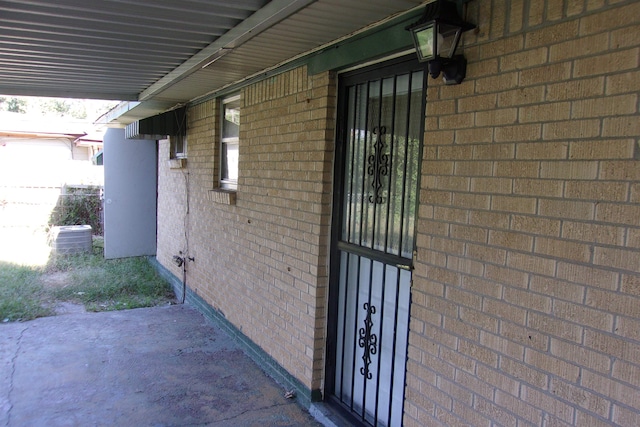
174 123
178 146
229 144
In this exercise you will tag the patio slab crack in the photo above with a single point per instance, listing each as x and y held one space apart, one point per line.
14 359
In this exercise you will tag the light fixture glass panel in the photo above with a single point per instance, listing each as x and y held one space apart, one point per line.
447 40
425 41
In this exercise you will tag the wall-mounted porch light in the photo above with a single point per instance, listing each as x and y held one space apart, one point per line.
436 36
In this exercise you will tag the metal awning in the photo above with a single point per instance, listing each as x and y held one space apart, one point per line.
156 54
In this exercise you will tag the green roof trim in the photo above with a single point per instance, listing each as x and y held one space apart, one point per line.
383 40
377 42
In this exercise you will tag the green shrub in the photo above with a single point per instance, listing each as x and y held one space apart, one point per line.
79 206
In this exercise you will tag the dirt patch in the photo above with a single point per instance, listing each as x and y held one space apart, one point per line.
60 280
56 280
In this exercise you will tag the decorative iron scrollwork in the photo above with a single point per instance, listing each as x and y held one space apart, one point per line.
378 163
367 340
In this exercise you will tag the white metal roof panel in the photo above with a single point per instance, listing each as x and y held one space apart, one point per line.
109 49
154 50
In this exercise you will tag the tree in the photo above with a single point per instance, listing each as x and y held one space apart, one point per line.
15 105
55 106
82 109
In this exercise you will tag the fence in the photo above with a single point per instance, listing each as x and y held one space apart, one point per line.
38 207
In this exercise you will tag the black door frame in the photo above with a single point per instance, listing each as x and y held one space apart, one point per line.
377 71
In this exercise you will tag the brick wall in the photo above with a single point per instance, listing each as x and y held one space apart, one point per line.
526 296
263 261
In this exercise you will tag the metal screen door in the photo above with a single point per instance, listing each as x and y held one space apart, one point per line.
377 172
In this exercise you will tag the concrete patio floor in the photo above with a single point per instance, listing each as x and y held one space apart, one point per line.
161 366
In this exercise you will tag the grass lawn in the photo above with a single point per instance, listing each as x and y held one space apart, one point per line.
31 291
22 295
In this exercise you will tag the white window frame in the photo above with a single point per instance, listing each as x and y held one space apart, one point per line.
178 151
226 182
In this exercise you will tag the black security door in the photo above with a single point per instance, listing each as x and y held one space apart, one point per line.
379 140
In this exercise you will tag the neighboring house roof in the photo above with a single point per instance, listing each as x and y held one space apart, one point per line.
30 126
158 55
36 150
24 126
90 140
15 134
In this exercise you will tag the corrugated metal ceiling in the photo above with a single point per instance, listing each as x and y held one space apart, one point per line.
106 49
154 50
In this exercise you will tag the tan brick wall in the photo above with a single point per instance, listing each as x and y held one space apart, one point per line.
527 283
263 261
526 296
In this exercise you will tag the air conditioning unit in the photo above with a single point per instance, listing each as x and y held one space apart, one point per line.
71 239
160 126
